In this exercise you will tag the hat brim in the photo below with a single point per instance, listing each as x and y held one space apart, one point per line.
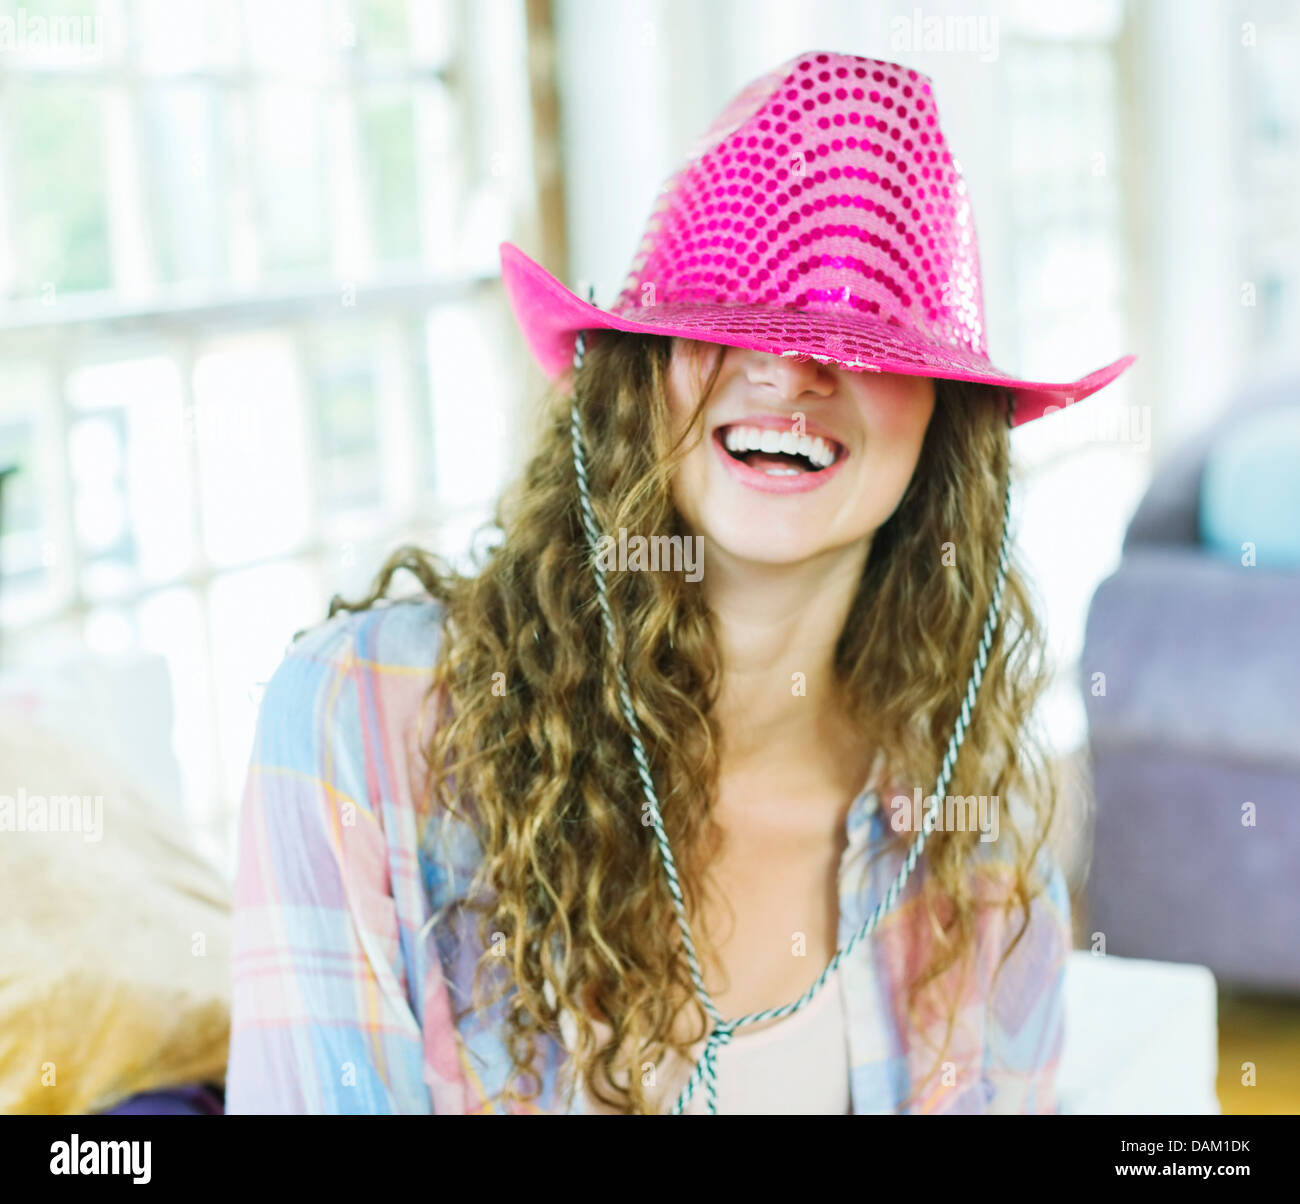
549 315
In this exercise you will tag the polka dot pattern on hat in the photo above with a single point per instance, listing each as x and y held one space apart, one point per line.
824 187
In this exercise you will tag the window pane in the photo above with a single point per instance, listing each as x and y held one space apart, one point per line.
22 392
388 140
254 614
22 503
471 391
1267 179
252 451
184 132
384 26
29 545
1079 19
171 624
176 38
465 539
1066 172
442 176
54 33
347 423
433 32
290 36
1064 188
110 630
97 457
131 479
293 198
61 235
499 150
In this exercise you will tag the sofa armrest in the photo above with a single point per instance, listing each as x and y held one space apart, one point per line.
1198 653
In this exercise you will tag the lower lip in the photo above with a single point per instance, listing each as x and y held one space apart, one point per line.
801 482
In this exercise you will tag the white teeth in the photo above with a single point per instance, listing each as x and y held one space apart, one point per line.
753 438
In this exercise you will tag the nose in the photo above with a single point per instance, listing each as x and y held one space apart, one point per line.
791 378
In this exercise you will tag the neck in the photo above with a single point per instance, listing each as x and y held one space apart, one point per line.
779 708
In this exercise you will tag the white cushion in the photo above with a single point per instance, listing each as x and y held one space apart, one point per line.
1140 1037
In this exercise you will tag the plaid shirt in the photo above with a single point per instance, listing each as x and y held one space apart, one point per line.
343 989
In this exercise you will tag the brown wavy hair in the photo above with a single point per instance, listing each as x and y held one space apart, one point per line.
571 888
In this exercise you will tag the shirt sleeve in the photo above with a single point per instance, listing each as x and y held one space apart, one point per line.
1026 1020
321 1020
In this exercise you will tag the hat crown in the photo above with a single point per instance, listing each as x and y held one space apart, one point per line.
825 185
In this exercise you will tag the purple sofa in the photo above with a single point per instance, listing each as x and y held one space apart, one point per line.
1201 715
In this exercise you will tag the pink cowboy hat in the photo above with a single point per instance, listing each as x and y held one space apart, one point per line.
821 214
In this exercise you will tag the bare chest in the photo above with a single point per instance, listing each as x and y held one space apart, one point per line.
770 912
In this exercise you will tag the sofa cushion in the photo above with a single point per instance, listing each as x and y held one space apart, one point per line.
1189 651
1250 491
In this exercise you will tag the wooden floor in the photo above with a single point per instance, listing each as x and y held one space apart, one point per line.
1263 1031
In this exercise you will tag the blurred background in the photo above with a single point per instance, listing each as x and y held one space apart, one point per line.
252 335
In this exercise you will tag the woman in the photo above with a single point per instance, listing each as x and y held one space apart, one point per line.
587 832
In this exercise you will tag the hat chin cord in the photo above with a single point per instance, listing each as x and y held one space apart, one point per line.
705 1070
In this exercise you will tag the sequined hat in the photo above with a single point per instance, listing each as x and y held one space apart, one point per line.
821 214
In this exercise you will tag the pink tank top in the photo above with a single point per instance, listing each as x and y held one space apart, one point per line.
794 1066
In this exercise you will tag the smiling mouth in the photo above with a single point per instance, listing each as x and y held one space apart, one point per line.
778 453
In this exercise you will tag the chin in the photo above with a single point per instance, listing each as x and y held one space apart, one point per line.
788 542
762 529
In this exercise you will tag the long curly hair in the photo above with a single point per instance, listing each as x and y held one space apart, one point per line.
531 747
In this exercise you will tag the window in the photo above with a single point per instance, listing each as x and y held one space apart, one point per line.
1266 172
1080 473
248 252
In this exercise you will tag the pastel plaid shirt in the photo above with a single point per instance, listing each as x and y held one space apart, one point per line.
343 989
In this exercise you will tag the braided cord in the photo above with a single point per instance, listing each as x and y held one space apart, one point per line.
705 1070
